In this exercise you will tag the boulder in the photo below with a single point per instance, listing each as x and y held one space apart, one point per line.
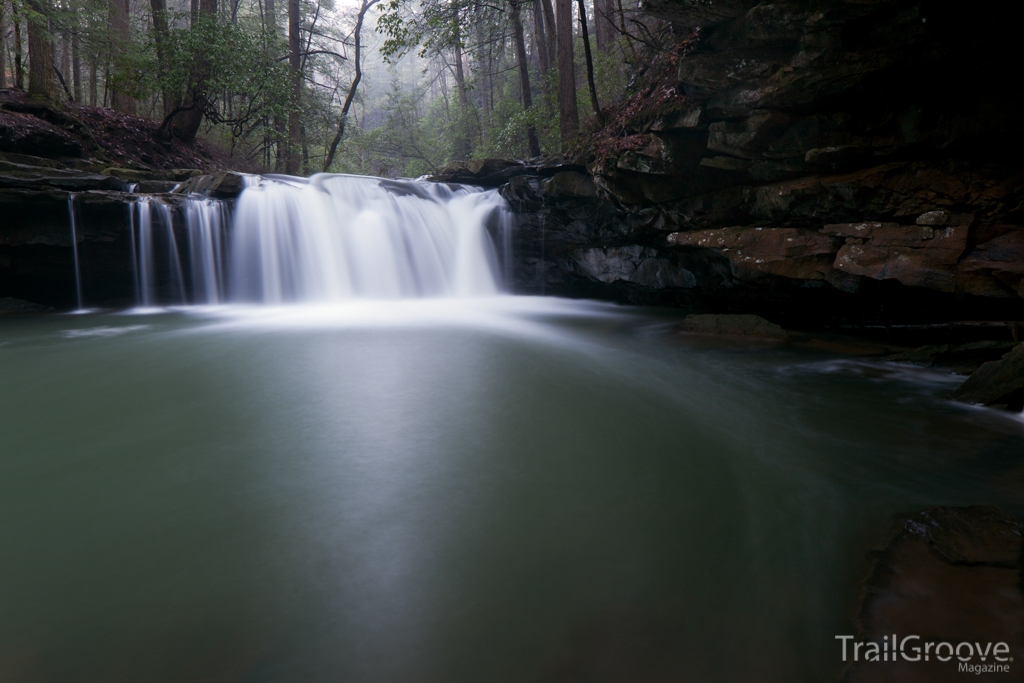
742 325
570 184
962 358
950 575
997 383
224 185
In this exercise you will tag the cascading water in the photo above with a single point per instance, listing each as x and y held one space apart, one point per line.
335 237
206 221
326 238
74 248
158 273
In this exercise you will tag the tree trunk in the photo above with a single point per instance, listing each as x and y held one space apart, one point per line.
524 75
357 37
41 82
119 37
294 62
271 19
549 32
19 65
604 30
590 61
569 119
65 56
171 100
539 39
76 69
184 125
93 82
3 45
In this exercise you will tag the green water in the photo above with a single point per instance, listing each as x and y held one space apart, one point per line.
517 490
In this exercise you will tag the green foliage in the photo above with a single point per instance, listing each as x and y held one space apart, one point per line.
231 63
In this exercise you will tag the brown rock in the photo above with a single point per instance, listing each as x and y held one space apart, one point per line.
933 218
785 252
950 575
915 255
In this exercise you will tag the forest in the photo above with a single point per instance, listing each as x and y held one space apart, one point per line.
382 87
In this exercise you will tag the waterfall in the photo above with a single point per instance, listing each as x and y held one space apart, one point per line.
74 248
159 277
326 238
333 237
205 221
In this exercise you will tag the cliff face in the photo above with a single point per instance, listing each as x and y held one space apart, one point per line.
858 155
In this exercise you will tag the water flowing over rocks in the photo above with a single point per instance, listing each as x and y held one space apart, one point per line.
997 382
951 574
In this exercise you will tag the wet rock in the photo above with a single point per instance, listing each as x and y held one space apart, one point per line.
741 325
950 575
932 218
12 305
787 252
915 255
961 358
156 186
223 185
132 175
994 267
570 184
996 383
635 264
484 172
749 137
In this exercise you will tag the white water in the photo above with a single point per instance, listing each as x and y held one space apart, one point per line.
335 237
74 249
322 239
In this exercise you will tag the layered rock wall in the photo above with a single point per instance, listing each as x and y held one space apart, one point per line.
857 156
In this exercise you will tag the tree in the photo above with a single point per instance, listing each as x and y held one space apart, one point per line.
184 120
589 60
357 38
569 120
524 74
120 38
294 62
3 45
160 31
41 82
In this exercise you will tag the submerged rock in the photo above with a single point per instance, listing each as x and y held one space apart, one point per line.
996 383
742 325
952 574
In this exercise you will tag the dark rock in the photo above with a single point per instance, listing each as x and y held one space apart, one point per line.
570 184
12 305
131 175
962 358
632 264
950 575
156 186
998 382
743 325
223 185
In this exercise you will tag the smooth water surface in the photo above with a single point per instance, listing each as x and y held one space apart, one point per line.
509 489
